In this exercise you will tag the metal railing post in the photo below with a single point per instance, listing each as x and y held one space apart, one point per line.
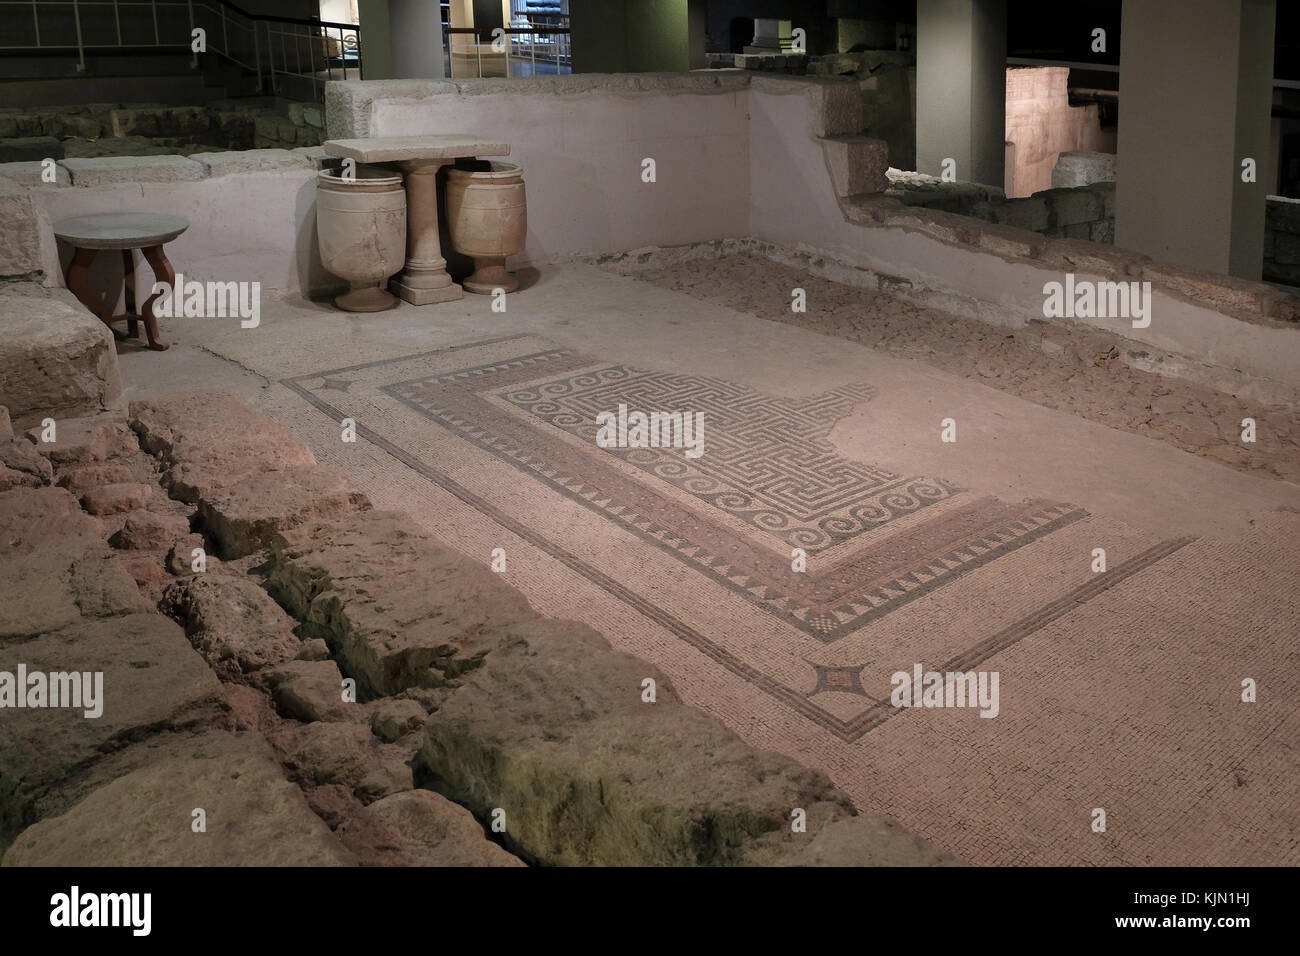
81 51
257 58
194 56
36 22
117 19
157 40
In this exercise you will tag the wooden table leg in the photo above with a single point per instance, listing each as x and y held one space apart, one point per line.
128 283
163 272
77 276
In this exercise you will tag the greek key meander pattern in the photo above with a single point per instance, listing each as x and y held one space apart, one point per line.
766 460
827 603
824 602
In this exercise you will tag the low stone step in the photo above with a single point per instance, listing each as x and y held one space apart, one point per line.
251 814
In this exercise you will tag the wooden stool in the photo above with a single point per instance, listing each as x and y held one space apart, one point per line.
124 231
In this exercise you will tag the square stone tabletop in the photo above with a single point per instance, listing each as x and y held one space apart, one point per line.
396 149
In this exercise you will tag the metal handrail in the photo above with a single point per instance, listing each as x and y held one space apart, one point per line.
561 54
246 39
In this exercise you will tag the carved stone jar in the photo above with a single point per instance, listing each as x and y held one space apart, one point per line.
487 217
361 223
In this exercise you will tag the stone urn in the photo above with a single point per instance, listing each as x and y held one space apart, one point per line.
487 217
361 223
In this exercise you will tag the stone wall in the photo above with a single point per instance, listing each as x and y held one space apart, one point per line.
1083 168
887 81
1084 212
738 154
1231 334
107 129
795 64
583 141
1042 124
280 580
1282 240
252 214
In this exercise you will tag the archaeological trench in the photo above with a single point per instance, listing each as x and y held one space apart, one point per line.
309 654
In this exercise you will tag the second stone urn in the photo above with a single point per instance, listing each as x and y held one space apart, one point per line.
361 225
487 217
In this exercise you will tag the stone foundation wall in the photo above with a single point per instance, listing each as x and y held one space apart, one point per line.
252 214
796 64
1282 240
205 540
107 129
782 160
1083 212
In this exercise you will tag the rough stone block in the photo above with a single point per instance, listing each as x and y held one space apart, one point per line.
21 456
1029 213
231 621
147 531
1106 193
1282 214
20 253
29 173
1082 168
211 439
872 209
152 681
251 161
181 121
397 610
310 690
325 753
1102 231
857 164
420 828
82 478
393 719
56 568
25 149
56 359
552 726
314 155
1070 206
1286 248
115 499
244 517
834 102
143 818
133 169
83 440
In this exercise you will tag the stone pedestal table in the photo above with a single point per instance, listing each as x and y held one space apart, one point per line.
124 231
425 278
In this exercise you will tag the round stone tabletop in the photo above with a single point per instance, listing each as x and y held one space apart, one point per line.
120 230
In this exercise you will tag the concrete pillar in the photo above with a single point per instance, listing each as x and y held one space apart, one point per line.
637 36
400 40
1195 89
771 36
961 62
